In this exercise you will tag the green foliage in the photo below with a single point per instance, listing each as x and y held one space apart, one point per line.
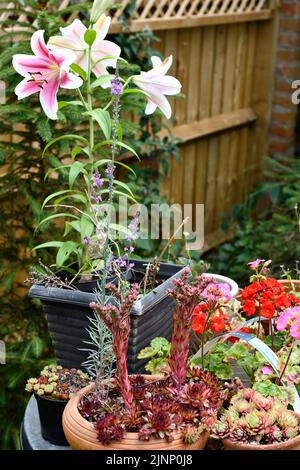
267 224
23 189
278 340
219 360
270 389
158 350
292 371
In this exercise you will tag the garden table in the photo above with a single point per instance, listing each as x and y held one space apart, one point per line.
30 435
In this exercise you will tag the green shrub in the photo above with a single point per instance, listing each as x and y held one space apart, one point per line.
267 225
23 189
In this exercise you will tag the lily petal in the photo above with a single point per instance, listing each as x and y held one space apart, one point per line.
157 84
156 61
74 32
25 64
102 49
38 45
102 26
60 42
163 104
26 88
64 58
160 69
100 70
166 85
150 108
70 81
48 98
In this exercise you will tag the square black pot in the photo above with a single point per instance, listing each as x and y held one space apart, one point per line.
67 313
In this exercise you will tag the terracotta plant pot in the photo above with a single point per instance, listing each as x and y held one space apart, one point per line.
291 444
293 284
82 435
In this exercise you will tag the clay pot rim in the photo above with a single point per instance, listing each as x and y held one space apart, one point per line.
276 445
245 446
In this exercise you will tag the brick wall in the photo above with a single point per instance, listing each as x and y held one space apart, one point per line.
284 115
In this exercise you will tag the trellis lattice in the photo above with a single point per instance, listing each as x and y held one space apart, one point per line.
165 9
161 14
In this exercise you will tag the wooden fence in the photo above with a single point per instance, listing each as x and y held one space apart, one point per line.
223 54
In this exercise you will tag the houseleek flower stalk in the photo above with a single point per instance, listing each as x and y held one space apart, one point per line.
117 319
187 296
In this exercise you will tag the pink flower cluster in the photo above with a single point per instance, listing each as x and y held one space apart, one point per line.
290 318
217 292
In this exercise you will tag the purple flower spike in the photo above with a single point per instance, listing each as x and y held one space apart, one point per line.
86 240
116 87
97 198
97 180
121 262
109 171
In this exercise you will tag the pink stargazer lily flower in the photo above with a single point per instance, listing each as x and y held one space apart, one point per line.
72 38
156 84
44 73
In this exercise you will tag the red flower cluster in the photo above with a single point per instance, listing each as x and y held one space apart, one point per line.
217 322
265 298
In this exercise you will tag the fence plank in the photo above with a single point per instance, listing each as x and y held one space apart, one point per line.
223 53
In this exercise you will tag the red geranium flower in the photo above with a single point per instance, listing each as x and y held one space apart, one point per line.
217 324
250 308
199 322
267 309
200 308
282 301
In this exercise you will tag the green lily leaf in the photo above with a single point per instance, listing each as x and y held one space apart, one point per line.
77 69
73 225
54 195
119 144
86 227
64 104
104 162
75 170
55 216
75 152
64 252
103 119
65 137
53 244
101 80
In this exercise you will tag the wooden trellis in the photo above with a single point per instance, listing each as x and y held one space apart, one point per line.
191 13
223 53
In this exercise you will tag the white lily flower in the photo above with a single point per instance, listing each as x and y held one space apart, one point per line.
72 38
156 84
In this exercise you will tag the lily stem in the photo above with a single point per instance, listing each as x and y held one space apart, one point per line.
90 105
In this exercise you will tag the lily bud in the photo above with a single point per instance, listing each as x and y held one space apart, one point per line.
98 8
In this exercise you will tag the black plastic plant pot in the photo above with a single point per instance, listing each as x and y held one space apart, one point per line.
67 313
50 412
